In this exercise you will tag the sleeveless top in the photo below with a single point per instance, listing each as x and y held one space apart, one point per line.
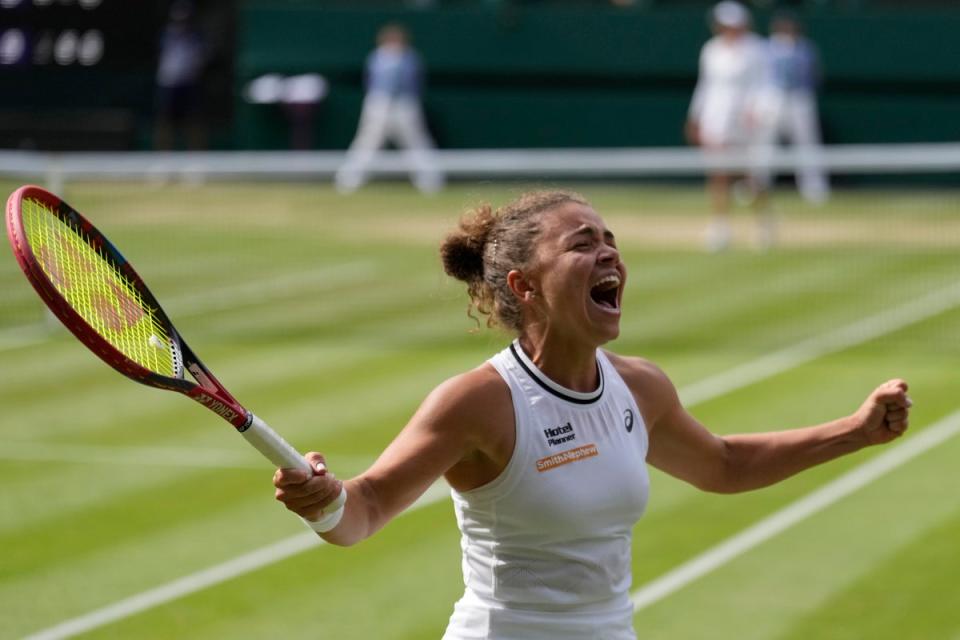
547 544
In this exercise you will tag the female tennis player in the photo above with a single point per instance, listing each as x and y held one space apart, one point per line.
546 444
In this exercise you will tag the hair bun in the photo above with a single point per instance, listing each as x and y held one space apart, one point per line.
462 258
462 251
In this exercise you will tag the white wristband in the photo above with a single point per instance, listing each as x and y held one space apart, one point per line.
329 520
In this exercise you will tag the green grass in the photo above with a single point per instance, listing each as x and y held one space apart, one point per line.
329 317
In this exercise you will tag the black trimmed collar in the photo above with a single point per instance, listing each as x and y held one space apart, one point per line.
577 397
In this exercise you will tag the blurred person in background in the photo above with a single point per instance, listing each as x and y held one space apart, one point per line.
546 444
392 112
180 69
789 105
733 70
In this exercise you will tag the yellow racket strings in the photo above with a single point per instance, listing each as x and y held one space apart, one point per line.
91 284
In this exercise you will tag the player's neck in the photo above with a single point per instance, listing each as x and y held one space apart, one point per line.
569 364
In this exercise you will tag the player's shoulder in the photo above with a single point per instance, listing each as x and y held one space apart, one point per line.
653 391
640 374
477 392
479 382
634 365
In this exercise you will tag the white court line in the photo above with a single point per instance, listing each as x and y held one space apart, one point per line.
200 580
793 513
808 350
188 584
715 386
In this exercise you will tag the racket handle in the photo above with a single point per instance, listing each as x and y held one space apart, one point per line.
273 446
281 453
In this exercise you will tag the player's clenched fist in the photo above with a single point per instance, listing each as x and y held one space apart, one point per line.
307 496
884 415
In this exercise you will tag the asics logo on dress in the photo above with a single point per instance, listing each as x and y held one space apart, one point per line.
560 435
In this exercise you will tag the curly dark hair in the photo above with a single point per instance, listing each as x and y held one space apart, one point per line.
487 244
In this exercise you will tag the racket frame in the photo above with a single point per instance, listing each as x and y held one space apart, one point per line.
207 390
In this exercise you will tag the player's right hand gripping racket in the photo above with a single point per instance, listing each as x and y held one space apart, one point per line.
95 292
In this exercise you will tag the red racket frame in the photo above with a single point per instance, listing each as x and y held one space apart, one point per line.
208 391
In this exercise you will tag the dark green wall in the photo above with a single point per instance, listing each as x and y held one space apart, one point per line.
507 76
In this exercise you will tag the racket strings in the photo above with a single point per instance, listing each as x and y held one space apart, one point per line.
89 280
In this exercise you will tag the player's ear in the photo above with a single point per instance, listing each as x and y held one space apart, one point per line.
521 286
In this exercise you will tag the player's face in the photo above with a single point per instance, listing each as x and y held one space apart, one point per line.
579 274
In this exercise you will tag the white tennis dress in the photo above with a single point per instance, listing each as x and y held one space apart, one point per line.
547 544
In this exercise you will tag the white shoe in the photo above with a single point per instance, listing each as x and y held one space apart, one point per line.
347 182
718 237
767 232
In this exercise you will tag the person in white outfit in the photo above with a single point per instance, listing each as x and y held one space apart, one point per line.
789 105
392 112
546 445
733 73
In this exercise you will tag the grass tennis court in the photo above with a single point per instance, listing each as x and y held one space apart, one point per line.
329 316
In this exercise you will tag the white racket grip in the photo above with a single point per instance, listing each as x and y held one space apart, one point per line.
281 453
273 447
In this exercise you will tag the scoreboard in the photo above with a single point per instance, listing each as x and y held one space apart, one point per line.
81 74
111 34
77 74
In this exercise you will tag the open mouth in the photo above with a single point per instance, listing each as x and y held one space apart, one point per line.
605 292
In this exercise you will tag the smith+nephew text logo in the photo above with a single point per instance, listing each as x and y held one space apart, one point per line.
566 457
560 435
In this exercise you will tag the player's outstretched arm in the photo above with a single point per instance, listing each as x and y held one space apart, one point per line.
448 428
682 447
761 459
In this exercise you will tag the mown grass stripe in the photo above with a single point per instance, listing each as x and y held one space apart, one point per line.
203 579
848 336
923 581
228 298
156 456
795 512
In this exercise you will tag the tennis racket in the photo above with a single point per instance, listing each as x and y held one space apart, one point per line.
98 296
